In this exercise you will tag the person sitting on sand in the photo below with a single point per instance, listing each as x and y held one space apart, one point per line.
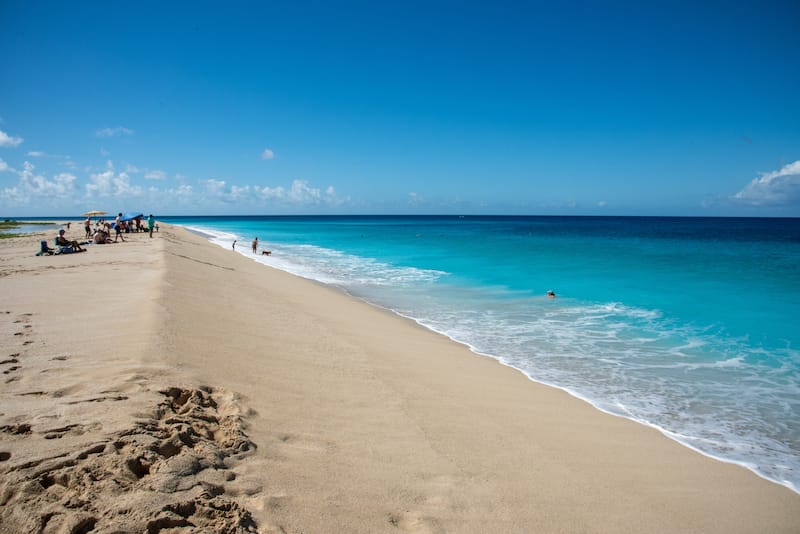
64 242
101 238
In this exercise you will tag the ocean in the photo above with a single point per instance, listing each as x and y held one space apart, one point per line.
688 325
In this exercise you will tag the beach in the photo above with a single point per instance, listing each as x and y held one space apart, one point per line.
167 382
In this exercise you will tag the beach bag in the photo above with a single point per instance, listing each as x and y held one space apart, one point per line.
44 250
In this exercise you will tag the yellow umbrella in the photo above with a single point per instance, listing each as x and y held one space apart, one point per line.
94 213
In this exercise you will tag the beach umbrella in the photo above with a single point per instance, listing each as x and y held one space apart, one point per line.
94 213
130 216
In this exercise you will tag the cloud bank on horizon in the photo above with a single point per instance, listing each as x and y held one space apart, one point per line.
64 192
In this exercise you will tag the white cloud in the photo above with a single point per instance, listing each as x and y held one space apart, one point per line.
215 187
267 154
270 193
110 184
300 194
167 199
7 140
218 189
182 191
776 188
155 175
3 165
113 132
32 186
36 154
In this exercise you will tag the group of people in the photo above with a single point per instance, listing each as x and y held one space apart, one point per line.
101 233
98 233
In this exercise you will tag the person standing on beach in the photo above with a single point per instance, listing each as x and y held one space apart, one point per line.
118 228
151 222
255 245
87 225
233 247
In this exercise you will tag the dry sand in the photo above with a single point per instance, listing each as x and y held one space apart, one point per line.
167 383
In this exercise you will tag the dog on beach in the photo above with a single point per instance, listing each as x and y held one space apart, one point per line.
266 252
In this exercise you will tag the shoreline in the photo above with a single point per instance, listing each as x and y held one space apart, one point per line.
666 433
359 422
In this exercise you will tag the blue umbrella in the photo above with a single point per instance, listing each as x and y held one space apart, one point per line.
131 215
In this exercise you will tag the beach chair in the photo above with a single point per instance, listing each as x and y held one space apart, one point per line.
63 249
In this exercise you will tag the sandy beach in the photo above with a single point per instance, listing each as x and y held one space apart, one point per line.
168 383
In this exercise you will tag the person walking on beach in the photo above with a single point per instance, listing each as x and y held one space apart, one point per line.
151 222
233 247
255 245
87 225
118 228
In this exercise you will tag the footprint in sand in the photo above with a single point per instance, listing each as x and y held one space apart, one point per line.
58 433
16 430
181 452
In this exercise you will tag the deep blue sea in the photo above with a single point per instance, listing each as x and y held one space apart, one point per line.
690 325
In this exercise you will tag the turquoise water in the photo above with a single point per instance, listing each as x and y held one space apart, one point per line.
685 324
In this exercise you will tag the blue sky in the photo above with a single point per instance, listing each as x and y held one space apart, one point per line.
639 108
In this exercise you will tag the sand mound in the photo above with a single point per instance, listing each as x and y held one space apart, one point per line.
167 471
